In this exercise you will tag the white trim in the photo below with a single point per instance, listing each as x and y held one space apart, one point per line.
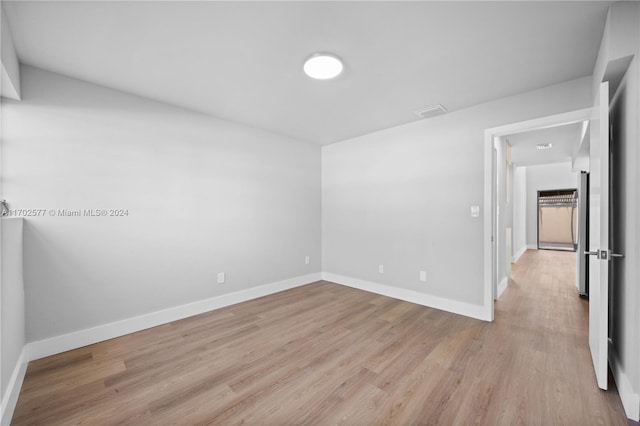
519 254
77 339
502 286
532 247
12 392
509 129
549 121
449 305
630 399
488 261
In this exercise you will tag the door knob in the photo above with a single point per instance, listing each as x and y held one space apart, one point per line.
603 254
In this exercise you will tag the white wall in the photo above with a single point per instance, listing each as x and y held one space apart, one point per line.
401 197
622 39
541 178
624 239
203 196
12 309
519 211
10 72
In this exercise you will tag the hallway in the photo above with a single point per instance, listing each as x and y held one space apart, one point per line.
541 303
542 292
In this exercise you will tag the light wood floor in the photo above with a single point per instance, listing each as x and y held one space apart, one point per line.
325 354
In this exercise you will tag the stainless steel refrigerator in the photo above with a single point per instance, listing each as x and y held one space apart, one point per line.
582 264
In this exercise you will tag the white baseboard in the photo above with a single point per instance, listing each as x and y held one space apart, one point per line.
502 286
519 254
532 247
454 306
630 399
77 339
10 398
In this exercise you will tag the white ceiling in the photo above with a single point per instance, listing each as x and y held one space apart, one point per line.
564 139
243 60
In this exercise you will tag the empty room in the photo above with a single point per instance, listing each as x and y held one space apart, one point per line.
320 212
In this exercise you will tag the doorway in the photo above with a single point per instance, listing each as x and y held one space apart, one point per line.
558 220
494 167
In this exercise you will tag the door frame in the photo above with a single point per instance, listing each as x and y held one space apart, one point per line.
490 170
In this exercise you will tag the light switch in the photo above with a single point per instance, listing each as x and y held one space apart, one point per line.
475 211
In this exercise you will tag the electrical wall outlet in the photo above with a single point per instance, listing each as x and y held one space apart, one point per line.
381 269
423 276
220 277
306 260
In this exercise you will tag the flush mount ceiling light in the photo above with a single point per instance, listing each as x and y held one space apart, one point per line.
323 66
542 146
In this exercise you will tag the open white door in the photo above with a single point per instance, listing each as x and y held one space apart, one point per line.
599 235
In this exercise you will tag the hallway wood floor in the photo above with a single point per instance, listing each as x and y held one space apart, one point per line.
327 354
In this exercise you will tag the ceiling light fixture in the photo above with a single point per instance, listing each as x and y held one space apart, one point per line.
542 146
323 66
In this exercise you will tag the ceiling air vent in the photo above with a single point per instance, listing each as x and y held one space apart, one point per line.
543 146
430 111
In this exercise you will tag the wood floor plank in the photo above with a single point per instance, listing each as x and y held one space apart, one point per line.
328 354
